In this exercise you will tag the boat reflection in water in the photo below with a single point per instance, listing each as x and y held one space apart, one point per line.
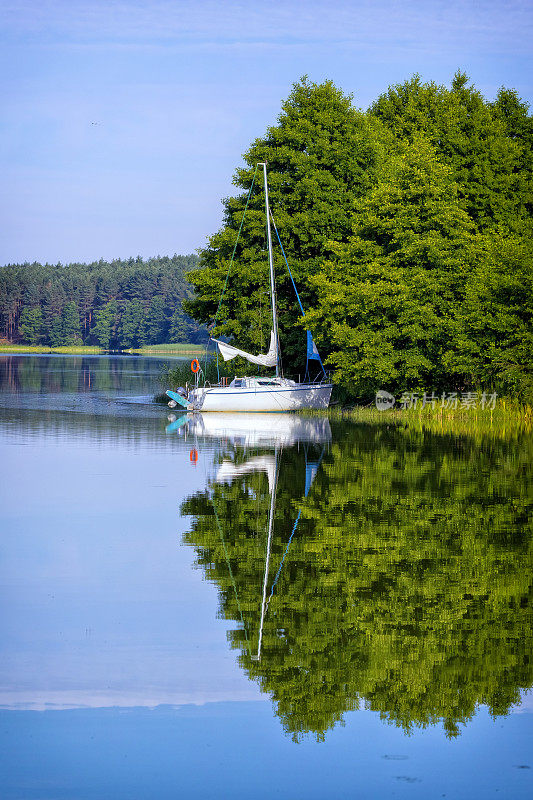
359 569
249 430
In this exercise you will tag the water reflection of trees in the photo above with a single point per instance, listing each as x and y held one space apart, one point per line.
407 588
52 374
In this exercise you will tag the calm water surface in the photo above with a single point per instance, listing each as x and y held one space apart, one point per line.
270 606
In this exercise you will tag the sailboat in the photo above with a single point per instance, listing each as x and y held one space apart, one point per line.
260 394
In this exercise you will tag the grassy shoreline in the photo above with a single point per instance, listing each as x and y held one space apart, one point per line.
170 349
158 349
38 348
508 417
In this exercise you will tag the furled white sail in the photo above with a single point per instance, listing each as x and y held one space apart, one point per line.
227 351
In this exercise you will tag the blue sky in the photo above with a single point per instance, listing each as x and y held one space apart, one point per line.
123 122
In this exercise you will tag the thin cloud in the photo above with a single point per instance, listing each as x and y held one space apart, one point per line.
234 24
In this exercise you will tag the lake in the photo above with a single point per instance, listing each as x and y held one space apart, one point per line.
255 605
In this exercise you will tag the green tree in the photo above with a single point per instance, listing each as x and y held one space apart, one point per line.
322 155
86 299
182 328
489 162
132 327
54 299
386 303
156 320
55 332
493 327
10 300
70 317
31 325
105 324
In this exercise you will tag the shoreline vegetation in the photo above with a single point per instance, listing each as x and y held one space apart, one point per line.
508 417
157 349
174 349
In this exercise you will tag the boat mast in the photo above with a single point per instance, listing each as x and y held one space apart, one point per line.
271 515
271 265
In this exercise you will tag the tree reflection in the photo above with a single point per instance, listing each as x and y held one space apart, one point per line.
406 588
51 374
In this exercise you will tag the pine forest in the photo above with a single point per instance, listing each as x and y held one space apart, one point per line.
116 305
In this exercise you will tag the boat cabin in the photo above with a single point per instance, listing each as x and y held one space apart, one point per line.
256 383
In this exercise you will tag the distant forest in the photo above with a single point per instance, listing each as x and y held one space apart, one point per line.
116 305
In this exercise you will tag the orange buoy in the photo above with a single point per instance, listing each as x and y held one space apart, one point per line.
195 365
193 455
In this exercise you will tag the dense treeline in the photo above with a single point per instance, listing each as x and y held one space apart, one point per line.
121 304
408 230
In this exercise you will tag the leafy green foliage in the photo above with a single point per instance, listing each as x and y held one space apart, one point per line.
408 231
493 326
103 327
70 327
386 302
132 325
481 147
321 156
182 328
55 332
156 323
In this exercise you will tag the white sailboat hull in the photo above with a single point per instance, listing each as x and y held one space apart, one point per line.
296 397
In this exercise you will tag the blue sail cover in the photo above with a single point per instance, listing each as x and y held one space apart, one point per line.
312 351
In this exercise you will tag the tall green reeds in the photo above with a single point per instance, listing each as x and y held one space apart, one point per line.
506 419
